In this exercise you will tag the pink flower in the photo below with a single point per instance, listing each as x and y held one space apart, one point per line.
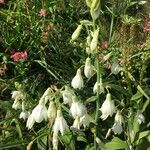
146 26
19 56
2 1
42 12
104 44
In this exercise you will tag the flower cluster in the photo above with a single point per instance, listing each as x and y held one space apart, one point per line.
17 56
146 26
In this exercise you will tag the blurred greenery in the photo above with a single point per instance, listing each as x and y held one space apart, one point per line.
53 60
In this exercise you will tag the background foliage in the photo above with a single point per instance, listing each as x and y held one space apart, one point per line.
53 60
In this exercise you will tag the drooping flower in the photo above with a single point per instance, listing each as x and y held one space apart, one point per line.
17 56
30 122
77 82
101 88
77 109
117 127
89 69
108 108
85 120
24 115
42 12
60 124
139 117
67 95
39 113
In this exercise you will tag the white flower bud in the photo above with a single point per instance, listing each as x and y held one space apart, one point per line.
94 41
89 69
77 82
52 111
76 33
108 108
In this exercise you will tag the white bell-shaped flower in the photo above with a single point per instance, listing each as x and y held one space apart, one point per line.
108 108
77 82
89 69
117 127
60 124
30 122
67 95
101 88
52 111
77 109
24 115
85 120
40 113
139 117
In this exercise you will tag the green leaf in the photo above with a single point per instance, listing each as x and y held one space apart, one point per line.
137 96
68 140
144 134
90 147
42 143
115 144
91 99
81 137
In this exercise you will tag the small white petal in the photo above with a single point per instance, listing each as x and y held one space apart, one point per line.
76 123
30 122
17 104
140 118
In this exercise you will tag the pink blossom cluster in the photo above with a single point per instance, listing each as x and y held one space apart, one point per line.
146 27
19 56
42 12
2 1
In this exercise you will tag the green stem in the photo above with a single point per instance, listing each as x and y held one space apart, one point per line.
97 102
111 27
